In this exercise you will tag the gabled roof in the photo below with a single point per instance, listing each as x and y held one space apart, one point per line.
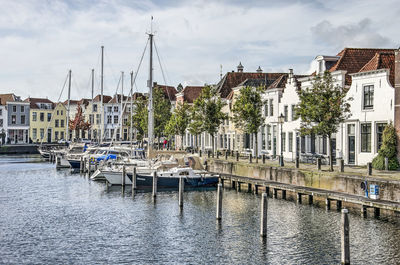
4 98
117 99
381 60
106 98
191 93
234 79
33 102
353 59
138 95
169 91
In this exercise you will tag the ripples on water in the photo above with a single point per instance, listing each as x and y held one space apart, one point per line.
53 217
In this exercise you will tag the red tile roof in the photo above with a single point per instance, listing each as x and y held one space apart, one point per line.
233 79
381 60
169 91
117 99
4 98
34 101
105 98
191 93
353 59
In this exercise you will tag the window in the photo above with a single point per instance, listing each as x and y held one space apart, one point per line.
283 141
62 112
263 137
62 124
22 119
22 108
271 107
34 116
266 109
56 135
48 116
109 119
269 137
286 112
13 119
14 108
293 112
91 118
368 97
58 112
62 135
34 133
41 133
290 142
366 137
97 118
57 123
109 109
94 107
115 108
125 121
41 116
379 132
115 119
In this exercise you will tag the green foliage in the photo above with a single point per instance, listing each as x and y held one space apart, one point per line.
247 110
207 111
388 149
179 120
140 117
162 110
322 107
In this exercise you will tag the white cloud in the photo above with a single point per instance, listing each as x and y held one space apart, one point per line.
41 40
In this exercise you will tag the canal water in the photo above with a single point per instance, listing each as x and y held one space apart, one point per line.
55 217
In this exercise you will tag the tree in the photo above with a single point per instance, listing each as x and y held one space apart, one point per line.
179 120
388 149
170 127
195 127
247 112
78 123
207 110
162 112
322 108
140 117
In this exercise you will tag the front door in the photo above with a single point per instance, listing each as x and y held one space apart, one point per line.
351 139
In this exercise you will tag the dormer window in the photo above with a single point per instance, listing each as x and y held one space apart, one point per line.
368 97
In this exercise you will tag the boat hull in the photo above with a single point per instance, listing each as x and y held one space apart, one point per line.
75 163
146 182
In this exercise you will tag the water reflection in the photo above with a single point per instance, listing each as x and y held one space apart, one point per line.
51 216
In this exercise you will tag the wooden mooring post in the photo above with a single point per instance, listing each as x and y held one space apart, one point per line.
219 201
341 165
123 176
264 215
345 238
369 169
297 162
154 184
81 165
319 164
134 182
181 189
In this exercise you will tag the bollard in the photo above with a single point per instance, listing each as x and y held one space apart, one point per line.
386 163
123 176
297 162
264 210
345 239
208 154
226 155
263 158
250 158
81 165
237 155
154 184
341 165
200 153
319 163
369 169
217 154
181 189
219 202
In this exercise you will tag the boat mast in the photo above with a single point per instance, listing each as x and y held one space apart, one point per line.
68 106
150 85
122 99
101 104
130 117
92 84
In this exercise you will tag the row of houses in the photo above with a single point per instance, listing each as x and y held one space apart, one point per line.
371 77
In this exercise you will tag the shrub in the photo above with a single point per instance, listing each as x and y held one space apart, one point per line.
388 149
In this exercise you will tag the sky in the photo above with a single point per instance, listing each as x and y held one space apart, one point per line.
40 41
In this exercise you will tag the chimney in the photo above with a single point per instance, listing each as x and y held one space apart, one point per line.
240 67
259 70
290 77
397 97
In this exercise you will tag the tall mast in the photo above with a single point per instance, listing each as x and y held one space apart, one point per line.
122 99
92 84
130 114
150 85
101 104
69 98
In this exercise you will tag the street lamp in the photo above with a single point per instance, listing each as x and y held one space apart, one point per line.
281 119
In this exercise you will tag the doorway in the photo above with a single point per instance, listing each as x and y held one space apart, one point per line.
351 139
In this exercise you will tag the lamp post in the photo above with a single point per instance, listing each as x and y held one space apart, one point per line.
281 119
